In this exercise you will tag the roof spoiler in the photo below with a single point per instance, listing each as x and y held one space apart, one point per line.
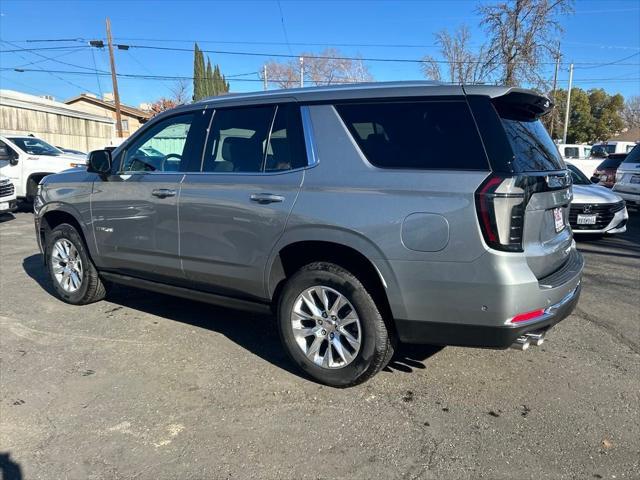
524 105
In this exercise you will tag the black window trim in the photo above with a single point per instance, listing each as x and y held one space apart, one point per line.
121 151
309 164
423 99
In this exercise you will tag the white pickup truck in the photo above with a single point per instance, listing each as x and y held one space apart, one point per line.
7 195
26 160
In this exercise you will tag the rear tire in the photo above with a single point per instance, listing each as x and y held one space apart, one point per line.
73 274
331 327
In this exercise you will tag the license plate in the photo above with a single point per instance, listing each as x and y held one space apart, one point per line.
635 179
4 206
558 218
586 219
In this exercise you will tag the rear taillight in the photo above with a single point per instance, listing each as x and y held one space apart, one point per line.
500 204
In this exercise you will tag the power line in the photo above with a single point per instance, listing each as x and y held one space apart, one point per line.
39 69
284 29
237 76
615 62
37 48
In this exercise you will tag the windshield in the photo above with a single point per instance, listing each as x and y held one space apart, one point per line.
600 150
35 146
533 149
577 177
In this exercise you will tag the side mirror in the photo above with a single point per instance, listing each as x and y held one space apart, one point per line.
99 162
9 155
595 180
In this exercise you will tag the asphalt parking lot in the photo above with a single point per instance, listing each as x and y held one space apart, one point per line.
147 386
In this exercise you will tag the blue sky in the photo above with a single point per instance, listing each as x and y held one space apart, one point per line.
597 31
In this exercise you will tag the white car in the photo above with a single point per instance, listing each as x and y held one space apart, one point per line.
628 178
611 146
7 195
26 160
595 209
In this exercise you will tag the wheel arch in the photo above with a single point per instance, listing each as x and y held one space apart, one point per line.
54 214
347 249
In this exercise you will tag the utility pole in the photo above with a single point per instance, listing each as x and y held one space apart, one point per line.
114 79
566 113
555 84
301 72
264 76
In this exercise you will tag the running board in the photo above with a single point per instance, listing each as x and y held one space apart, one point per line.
197 295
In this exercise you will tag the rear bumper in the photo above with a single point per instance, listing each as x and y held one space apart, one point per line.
484 336
472 304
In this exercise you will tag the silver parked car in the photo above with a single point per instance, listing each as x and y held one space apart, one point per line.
628 178
595 209
361 215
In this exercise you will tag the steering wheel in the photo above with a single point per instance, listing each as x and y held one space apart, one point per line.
167 157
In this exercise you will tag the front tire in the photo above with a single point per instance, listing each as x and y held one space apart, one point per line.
74 277
331 327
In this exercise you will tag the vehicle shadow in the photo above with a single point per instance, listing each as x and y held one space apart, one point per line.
6 217
254 332
9 470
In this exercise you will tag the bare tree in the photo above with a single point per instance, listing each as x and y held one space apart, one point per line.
631 112
522 34
180 91
326 68
460 62
180 96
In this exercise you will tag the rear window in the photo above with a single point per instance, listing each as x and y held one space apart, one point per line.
416 135
571 152
611 163
634 155
533 149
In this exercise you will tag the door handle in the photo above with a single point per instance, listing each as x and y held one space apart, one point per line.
163 192
265 198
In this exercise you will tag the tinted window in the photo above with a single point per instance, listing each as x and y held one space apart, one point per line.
416 135
577 177
571 152
286 149
533 149
237 139
634 155
611 163
161 148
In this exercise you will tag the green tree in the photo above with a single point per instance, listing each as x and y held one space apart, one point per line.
595 115
199 75
209 86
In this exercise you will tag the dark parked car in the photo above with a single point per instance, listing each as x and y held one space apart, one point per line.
344 210
605 174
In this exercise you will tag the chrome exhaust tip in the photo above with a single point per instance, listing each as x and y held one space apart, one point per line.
521 343
536 339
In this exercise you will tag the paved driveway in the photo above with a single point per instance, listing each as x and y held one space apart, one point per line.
148 386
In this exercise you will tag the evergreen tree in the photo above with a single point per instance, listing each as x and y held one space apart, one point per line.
211 91
199 75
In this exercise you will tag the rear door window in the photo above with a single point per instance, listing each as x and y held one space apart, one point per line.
439 134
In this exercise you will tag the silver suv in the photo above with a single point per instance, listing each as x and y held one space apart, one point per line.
361 215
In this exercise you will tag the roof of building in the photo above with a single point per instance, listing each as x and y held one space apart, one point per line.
131 111
26 101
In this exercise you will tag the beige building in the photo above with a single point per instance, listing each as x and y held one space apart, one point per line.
132 118
60 124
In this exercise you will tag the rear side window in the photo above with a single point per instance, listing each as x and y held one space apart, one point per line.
533 149
634 155
416 135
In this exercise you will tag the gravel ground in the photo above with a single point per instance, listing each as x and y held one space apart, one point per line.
147 386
